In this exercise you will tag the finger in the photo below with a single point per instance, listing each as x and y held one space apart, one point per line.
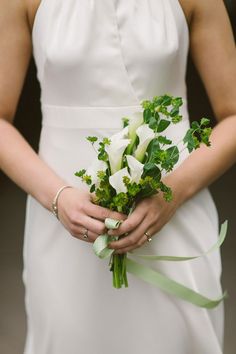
80 231
102 213
94 225
132 222
132 240
124 250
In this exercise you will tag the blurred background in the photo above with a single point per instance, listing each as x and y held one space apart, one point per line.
12 211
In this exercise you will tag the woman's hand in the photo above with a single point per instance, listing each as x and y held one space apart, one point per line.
150 215
79 215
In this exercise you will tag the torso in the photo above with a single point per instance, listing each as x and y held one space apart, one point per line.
32 7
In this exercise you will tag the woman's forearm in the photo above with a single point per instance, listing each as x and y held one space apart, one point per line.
206 164
21 163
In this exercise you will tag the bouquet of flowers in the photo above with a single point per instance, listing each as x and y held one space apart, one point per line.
130 166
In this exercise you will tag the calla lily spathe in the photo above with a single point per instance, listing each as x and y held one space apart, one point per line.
135 167
116 180
97 165
134 122
145 135
116 149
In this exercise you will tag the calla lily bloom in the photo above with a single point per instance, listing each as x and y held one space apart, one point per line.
135 167
97 165
116 180
134 122
116 149
145 135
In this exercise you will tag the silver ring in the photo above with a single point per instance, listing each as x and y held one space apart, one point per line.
149 239
85 235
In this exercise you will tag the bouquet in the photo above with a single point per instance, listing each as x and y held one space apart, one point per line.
130 165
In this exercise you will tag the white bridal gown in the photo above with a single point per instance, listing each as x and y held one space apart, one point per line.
96 60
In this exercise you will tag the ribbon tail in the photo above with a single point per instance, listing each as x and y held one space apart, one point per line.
170 286
217 245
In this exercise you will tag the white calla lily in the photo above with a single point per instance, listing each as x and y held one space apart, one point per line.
136 168
145 135
97 165
115 152
116 180
134 122
123 134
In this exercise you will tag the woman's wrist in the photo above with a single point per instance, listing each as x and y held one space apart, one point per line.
181 187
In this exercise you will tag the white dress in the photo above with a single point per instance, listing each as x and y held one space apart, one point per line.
96 60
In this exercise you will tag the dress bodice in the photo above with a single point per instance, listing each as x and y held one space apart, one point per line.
109 53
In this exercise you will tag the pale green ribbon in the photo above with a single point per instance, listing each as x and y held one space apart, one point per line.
154 277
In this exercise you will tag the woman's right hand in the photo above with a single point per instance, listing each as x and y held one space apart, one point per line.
78 213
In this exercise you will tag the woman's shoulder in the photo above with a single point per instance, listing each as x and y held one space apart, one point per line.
197 9
32 7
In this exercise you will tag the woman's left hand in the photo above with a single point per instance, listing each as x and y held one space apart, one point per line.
150 215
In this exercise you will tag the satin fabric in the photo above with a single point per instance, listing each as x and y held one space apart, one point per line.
96 61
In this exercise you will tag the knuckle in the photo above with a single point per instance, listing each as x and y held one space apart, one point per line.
130 225
73 230
101 229
104 213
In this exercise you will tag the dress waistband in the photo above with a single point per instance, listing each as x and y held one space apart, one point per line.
86 117
81 117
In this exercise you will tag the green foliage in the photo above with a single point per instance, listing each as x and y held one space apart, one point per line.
167 192
80 173
87 179
102 154
152 170
125 121
92 139
167 107
197 134
163 140
161 155
163 124
171 158
153 147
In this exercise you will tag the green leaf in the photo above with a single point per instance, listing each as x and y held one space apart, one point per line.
92 139
172 157
195 125
167 192
166 100
163 140
177 101
125 121
189 140
147 115
151 169
174 112
92 189
163 124
153 123
153 147
176 119
80 173
205 121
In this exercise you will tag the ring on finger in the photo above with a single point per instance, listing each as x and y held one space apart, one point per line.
149 238
85 234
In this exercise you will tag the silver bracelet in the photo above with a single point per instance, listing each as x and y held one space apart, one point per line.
55 200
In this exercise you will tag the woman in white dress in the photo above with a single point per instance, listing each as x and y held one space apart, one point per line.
96 60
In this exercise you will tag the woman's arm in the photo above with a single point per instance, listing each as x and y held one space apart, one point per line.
213 51
17 159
